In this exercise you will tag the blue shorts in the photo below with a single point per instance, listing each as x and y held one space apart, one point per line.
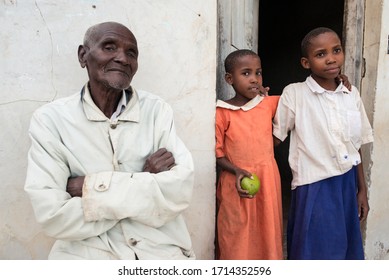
323 221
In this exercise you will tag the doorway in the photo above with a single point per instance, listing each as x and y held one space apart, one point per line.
275 29
281 27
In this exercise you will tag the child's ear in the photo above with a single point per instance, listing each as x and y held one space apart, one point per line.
228 78
305 63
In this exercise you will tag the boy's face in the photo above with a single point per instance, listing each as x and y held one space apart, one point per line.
246 77
325 57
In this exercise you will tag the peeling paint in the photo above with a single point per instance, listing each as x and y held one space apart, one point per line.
382 251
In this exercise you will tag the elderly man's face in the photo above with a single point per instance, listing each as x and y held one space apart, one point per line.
111 57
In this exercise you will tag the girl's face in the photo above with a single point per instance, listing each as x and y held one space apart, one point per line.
325 57
246 77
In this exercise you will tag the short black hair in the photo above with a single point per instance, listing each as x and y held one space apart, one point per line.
231 59
313 34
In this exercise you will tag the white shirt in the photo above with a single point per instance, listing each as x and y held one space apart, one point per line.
123 210
326 130
121 106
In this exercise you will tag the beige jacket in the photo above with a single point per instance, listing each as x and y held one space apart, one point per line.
123 211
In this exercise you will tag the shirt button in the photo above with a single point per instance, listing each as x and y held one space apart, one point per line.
132 241
101 188
113 125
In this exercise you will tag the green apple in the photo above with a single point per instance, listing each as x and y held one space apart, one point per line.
252 185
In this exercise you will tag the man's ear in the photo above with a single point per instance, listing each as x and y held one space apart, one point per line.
82 55
305 63
228 78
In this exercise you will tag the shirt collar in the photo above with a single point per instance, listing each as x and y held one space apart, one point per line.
248 106
121 106
128 107
315 87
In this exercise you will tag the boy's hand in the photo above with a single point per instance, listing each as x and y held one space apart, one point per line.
263 91
363 206
344 79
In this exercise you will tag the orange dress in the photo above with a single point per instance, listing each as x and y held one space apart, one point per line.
248 228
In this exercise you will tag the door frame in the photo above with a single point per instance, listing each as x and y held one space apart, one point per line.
237 15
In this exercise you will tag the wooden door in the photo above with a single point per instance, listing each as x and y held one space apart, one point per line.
238 29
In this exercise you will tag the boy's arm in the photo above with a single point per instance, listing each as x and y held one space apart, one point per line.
363 204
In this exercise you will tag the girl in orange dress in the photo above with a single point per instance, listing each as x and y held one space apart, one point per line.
248 227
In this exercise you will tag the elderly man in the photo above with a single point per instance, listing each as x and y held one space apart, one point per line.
107 175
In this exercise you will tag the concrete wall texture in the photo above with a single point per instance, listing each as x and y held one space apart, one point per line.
375 87
178 52
39 41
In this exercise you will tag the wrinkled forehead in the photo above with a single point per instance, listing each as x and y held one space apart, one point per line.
109 30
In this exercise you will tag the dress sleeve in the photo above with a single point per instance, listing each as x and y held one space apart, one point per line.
220 130
274 103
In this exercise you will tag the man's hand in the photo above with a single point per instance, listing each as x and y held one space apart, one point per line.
74 186
161 160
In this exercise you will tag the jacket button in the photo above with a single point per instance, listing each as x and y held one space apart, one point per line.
101 188
132 241
113 125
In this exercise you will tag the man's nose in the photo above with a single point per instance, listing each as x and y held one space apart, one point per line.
122 57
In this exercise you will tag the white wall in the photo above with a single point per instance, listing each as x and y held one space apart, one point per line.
375 87
38 58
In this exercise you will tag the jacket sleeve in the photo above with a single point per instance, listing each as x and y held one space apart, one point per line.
60 215
150 199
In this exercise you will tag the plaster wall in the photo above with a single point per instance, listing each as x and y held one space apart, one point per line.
375 86
39 40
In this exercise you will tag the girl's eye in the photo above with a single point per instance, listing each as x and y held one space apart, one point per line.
259 74
320 55
338 50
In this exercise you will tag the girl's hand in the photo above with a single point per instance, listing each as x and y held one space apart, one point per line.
239 176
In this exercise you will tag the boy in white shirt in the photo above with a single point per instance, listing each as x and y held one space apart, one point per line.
328 125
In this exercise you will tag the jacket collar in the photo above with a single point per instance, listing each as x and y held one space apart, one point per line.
93 113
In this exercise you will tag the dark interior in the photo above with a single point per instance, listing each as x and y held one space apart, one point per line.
282 26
